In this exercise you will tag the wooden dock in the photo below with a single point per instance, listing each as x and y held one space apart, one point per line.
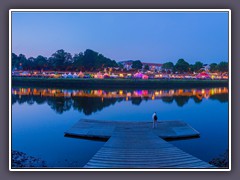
137 145
101 129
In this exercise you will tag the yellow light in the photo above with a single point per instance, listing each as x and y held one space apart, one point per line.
120 92
212 91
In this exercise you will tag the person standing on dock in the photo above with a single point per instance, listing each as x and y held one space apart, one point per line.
155 118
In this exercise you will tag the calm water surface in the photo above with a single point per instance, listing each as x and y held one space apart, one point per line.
41 116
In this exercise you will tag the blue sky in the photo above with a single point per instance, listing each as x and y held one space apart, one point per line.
149 36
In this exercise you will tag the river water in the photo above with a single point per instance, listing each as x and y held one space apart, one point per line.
40 116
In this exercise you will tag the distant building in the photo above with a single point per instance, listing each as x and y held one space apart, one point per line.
206 67
153 66
126 64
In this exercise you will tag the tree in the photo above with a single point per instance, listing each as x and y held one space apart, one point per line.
60 60
92 60
168 65
197 66
137 64
104 62
182 66
40 62
78 61
223 66
89 59
146 67
30 64
191 67
15 61
23 62
120 65
213 67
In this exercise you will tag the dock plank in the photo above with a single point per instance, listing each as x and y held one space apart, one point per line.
131 147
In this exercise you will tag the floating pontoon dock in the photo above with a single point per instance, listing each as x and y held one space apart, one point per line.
137 144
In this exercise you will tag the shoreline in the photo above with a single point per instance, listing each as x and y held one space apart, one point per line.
116 83
22 160
221 161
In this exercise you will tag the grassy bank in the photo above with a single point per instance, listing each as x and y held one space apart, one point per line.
116 83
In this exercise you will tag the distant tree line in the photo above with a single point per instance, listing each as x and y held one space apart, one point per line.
182 66
91 60
62 60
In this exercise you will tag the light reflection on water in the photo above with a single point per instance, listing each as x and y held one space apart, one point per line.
199 93
89 101
40 117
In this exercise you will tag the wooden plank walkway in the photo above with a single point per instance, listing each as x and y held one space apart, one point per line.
137 147
86 128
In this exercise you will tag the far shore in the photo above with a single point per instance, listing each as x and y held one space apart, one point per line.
116 83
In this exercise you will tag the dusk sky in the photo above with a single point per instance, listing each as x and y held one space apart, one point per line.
148 36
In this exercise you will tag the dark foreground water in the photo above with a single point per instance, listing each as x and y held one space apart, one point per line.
40 117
